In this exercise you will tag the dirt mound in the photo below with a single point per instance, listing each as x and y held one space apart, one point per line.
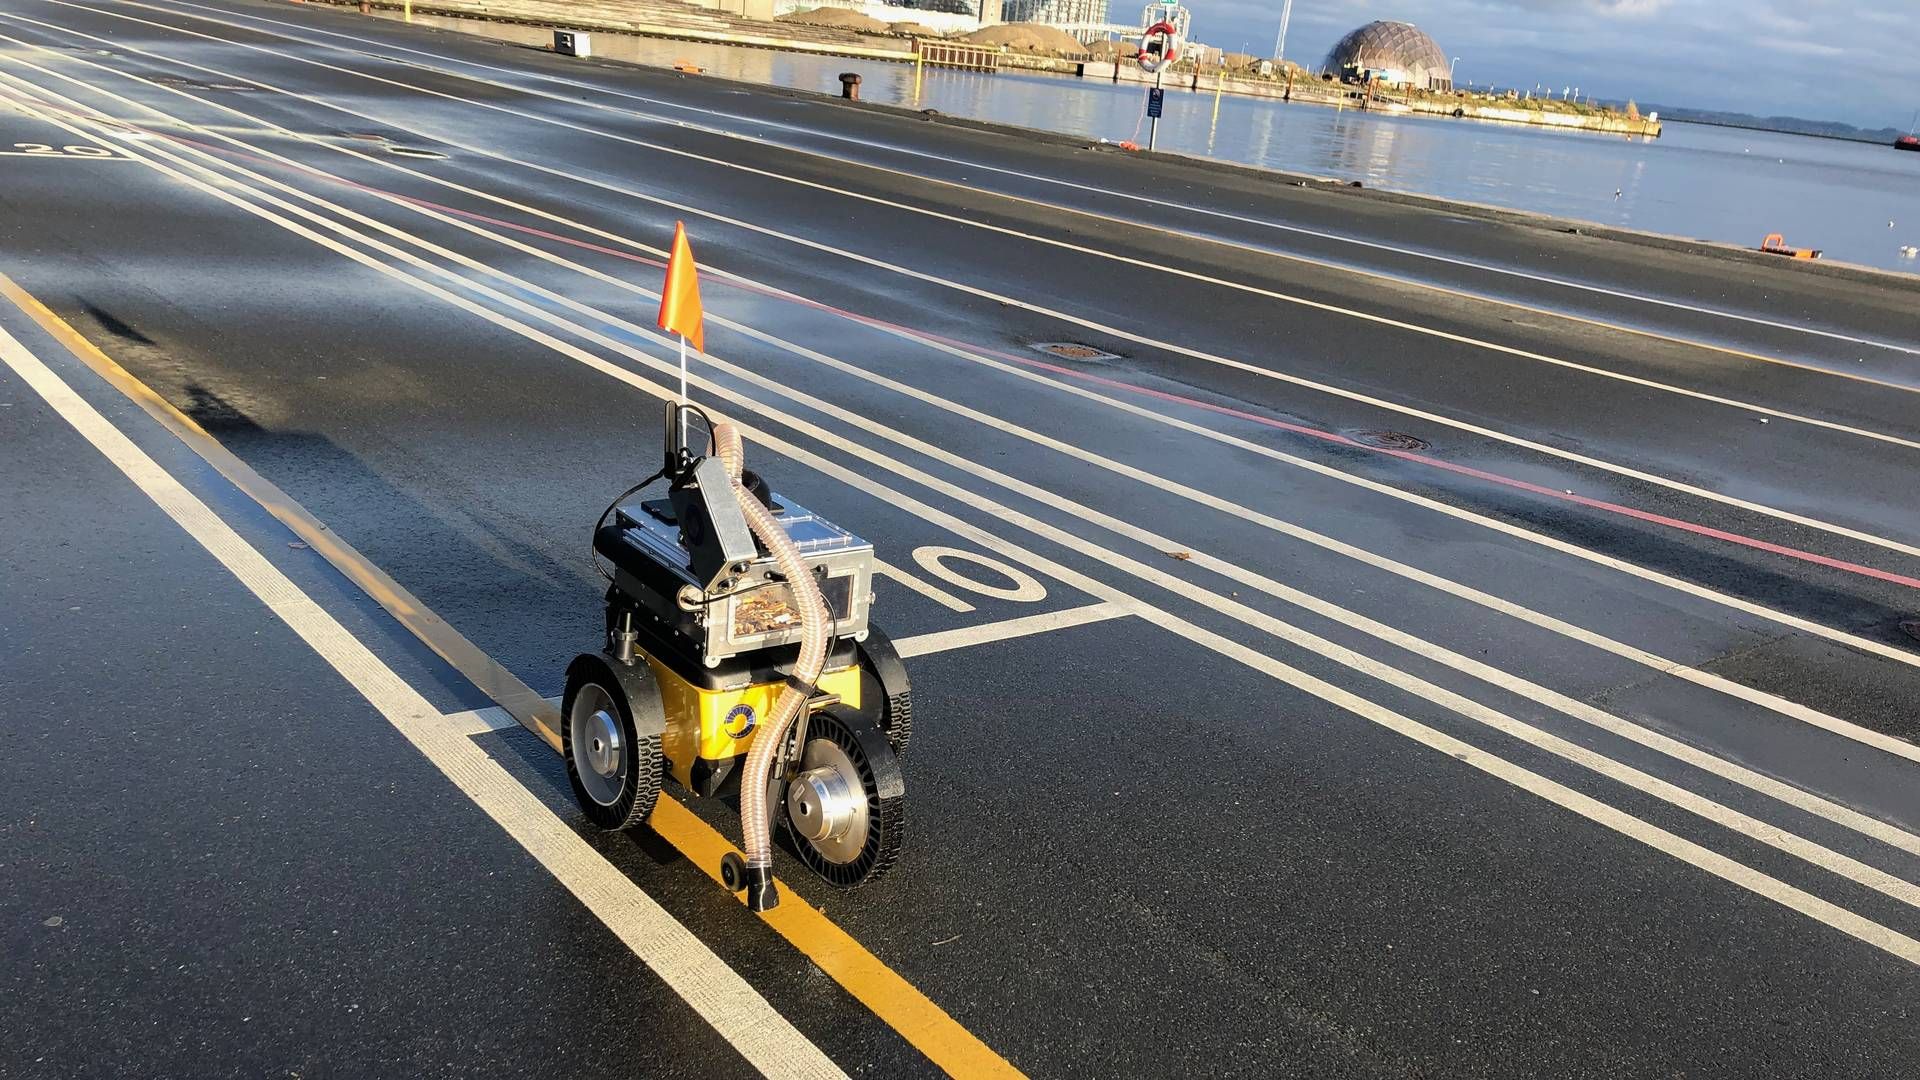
1029 37
838 18
912 29
1107 50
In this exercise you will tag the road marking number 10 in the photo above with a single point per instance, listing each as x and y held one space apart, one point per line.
36 149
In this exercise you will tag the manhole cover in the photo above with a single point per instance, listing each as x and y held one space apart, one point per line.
1392 440
1911 628
181 82
1073 350
415 152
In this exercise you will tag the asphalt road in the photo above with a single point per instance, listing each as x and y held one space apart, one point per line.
1499 667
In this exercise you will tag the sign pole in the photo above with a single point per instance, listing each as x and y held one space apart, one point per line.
1161 42
1153 116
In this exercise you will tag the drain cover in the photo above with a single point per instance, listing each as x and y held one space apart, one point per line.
1073 350
1392 440
415 152
1911 628
180 82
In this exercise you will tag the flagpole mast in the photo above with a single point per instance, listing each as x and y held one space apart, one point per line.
681 316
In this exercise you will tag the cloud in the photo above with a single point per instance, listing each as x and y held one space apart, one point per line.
1808 48
1633 9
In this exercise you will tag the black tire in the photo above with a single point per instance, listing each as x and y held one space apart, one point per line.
885 787
886 693
611 715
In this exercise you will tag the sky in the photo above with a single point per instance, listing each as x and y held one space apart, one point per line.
1847 60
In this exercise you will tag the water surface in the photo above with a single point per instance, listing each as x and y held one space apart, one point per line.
1858 202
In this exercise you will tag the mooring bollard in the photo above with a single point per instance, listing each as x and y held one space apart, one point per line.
850 86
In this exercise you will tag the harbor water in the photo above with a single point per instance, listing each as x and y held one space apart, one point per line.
1857 202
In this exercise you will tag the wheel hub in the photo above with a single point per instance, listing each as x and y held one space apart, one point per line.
599 750
827 804
602 733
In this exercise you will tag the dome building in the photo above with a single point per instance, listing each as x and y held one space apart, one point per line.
1397 53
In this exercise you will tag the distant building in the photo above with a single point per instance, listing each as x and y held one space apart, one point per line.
1180 17
1396 53
951 7
1069 15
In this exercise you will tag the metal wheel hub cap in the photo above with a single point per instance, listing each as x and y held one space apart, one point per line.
599 752
602 734
826 803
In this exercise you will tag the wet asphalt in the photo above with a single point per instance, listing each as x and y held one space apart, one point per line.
1140 847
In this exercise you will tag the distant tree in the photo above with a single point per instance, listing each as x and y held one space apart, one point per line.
1633 110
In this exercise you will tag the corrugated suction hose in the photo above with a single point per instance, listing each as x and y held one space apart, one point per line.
755 828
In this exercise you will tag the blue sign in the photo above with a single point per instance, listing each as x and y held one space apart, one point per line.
1155 98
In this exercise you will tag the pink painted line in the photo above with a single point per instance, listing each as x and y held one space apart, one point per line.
1680 524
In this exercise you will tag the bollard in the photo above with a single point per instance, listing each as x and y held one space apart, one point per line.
850 86
366 8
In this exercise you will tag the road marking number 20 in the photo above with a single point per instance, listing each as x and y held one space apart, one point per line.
36 149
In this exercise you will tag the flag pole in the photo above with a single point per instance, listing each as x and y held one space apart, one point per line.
683 390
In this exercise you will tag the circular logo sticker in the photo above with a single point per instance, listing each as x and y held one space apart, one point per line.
743 716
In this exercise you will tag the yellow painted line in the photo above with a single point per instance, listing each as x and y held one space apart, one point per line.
895 1001
892 998
482 670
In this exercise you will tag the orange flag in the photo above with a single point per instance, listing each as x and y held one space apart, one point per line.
680 311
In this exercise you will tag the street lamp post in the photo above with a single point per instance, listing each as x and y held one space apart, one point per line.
1454 64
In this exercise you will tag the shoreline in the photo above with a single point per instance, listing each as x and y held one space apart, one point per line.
1777 131
1832 268
1307 92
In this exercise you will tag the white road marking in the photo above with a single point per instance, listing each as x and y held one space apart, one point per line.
1093 252
489 718
1841 637
1007 630
1638 733
1177 234
1198 354
922 586
1737 873
480 721
721 998
60 157
1157 202
1025 588
1675 748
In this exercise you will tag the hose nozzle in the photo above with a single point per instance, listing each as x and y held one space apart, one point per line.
761 894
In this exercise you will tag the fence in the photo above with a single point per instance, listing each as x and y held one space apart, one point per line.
956 54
